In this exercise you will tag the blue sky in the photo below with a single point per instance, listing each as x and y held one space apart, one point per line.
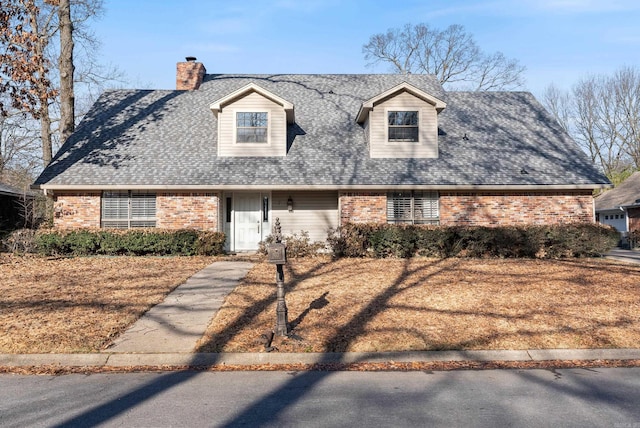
558 41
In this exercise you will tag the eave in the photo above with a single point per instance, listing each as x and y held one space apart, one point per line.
368 105
390 187
217 106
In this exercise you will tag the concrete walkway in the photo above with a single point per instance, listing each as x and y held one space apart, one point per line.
176 324
630 256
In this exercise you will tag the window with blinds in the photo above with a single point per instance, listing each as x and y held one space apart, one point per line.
413 207
128 209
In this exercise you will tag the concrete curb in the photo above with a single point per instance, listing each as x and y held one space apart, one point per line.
115 360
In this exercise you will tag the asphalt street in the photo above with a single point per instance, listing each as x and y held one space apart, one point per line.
491 398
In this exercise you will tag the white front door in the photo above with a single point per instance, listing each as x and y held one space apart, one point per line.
247 221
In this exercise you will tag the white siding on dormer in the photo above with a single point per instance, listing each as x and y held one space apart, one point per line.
252 102
380 147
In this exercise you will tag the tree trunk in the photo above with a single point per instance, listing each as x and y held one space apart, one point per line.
65 64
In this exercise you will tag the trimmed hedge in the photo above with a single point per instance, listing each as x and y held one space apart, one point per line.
392 240
187 242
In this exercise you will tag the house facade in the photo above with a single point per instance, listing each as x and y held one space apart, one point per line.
620 207
231 153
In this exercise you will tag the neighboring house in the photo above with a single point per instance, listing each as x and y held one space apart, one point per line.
620 207
231 152
13 203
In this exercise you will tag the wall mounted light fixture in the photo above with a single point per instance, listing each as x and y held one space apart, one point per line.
290 204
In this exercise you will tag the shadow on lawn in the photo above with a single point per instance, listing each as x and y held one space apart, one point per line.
278 400
269 407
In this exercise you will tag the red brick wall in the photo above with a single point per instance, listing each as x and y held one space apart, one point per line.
173 210
363 207
493 209
187 211
76 210
481 209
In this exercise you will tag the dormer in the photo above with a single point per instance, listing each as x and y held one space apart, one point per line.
401 123
252 121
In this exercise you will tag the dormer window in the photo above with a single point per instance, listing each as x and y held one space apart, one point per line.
403 126
401 122
252 127
252 121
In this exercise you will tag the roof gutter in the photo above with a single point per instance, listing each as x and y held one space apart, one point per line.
370 187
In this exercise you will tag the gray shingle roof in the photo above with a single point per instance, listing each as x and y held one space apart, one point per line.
156 138
5 189
625 194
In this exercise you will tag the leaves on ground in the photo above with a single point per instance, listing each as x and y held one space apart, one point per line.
80 304
375 305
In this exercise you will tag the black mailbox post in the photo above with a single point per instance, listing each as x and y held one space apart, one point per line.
277 254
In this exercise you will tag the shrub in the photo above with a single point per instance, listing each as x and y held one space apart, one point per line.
298 245
210 243
388 240
20 241
156 242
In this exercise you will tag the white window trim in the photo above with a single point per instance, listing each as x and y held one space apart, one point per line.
235 127
387 110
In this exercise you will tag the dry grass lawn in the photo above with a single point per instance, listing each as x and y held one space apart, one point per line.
82 304
428 304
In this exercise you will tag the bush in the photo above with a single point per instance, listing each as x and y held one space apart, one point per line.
298 245
19 241
155 242
388 240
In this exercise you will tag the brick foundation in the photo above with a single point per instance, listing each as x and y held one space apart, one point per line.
363 207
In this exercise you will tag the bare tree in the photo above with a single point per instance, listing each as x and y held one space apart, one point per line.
75 52
602 113
452 55
559 104
65 65
19 143
625 84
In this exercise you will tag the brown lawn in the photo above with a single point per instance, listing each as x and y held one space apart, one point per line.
428 304
82 304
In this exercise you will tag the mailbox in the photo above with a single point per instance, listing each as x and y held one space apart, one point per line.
277 253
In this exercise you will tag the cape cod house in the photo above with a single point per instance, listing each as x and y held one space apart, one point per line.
231 152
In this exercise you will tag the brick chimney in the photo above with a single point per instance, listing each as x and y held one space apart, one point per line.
189 74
